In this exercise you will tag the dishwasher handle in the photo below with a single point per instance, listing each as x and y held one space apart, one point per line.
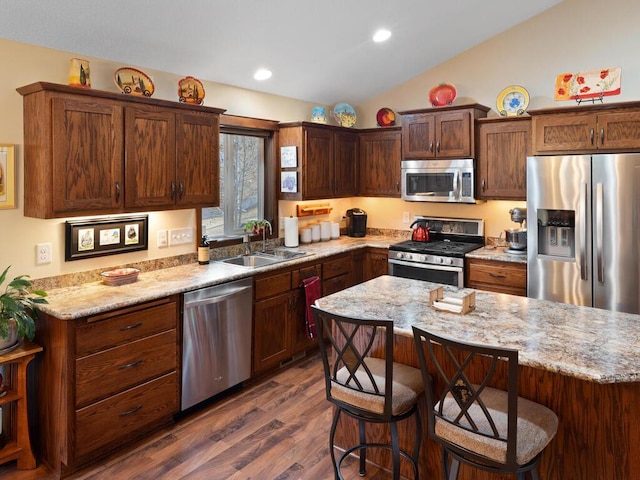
216 298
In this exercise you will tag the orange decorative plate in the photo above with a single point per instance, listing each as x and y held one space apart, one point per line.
191 90
133 82
386 117
443 94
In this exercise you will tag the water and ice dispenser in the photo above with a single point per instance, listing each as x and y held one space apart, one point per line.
556 233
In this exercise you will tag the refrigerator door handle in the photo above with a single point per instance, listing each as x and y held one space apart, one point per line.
599 232
583 234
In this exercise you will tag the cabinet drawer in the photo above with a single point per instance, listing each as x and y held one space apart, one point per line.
122 326
116 369
297 276
338 266
272 285
335 284
113 419
498 273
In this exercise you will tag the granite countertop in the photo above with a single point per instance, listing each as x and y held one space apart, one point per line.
587 343
77 301
497 254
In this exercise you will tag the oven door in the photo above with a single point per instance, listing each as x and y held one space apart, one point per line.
438 181
446 275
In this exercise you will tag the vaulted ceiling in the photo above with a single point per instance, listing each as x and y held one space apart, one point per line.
320 51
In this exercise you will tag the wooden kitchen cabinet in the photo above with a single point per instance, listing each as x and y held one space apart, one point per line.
444 132
326 160
379 162
94 152
336 274
586 129
110 378
503 145
496 276
279 330
376 263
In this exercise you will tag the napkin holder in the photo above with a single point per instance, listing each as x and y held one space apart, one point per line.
460 305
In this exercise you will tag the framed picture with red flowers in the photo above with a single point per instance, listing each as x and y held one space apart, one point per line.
589 84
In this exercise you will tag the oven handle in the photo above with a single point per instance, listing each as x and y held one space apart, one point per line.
430 266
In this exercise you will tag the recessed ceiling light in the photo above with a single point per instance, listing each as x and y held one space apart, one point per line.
262 74
381 35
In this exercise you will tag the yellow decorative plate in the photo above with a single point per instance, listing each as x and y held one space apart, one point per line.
191 90
512 101
133 82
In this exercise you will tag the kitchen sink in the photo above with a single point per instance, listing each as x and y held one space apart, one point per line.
260 259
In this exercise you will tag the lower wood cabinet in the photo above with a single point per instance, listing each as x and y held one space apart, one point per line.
105 380
376 263
497 276
336 274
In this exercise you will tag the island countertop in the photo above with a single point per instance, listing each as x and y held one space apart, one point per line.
587 343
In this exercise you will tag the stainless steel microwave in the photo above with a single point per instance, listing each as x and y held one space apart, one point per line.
438 180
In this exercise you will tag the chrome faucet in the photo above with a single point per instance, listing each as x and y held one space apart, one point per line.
265 224
246 244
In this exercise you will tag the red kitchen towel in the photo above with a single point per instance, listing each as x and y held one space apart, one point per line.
311 287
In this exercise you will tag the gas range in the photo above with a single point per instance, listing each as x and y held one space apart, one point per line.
441 259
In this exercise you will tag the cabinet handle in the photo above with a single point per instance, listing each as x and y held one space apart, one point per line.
180 190
131 365
117 192
483 184
130 327
602 136
438 147
129 412
495 275
173 190
591 136
431 147
397 186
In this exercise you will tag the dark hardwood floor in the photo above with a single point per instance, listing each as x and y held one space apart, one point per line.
277 429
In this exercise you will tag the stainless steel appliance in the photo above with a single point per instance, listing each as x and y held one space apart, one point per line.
216 342
441 259
438 180
356 222
517 237
584 218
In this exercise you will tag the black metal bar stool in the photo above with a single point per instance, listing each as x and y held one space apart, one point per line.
366 388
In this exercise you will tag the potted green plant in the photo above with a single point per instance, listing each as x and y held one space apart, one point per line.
17 312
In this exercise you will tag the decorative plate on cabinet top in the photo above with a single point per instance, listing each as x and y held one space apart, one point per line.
191 90
443 94
133 82
386 117
512 101
344 114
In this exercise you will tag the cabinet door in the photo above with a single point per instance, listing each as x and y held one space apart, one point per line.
418 136
377 263
453 135
564 132
318 172
619 130
87 155
346 164
502 159
198 165
271 332
380 157
150 145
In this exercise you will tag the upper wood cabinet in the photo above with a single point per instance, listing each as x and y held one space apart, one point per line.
326 160
93 152
586 129
445 132
380 156
503 145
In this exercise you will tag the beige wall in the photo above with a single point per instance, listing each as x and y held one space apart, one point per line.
575 35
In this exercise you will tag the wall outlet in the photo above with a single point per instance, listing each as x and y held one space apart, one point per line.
180 236
163 239
43 253
406 217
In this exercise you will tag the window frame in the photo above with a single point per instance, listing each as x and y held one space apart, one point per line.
269 130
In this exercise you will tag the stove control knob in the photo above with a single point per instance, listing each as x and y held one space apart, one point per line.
424 258
440 260
449 261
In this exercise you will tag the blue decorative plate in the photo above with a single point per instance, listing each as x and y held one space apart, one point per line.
344 114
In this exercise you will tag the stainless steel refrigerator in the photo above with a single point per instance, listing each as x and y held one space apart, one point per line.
583 230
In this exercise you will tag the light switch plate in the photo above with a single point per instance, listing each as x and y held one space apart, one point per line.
180 236
163 239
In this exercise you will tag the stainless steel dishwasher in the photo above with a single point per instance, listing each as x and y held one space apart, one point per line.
216 341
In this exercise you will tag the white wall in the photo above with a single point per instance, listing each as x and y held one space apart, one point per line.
575 35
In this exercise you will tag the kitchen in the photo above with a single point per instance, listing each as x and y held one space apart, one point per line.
491 74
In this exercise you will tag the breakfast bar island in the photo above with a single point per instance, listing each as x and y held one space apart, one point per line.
582 363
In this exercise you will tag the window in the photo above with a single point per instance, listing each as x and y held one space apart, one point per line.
246 177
